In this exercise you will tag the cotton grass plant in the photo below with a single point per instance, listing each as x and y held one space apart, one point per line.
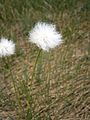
46 37
7 49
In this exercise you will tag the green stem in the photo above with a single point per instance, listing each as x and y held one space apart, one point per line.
36 64
29 114
6 61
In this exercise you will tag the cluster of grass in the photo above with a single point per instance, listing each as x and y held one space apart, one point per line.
58 86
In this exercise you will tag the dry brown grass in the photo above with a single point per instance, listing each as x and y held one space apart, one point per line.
61 86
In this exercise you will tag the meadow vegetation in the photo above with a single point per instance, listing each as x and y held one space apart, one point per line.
55 85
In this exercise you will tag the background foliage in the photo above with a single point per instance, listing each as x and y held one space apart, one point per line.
60 88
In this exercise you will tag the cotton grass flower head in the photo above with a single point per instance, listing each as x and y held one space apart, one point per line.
45 36
7 47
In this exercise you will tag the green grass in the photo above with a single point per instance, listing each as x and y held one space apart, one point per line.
60 87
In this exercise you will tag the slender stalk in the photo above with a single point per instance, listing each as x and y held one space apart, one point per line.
6 61
35 64
29 113
48 86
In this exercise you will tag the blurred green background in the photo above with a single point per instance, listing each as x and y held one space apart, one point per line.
61 85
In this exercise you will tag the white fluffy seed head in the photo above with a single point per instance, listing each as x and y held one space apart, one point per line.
45 36
7 47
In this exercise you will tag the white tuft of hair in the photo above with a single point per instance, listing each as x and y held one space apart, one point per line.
7 47
45 36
